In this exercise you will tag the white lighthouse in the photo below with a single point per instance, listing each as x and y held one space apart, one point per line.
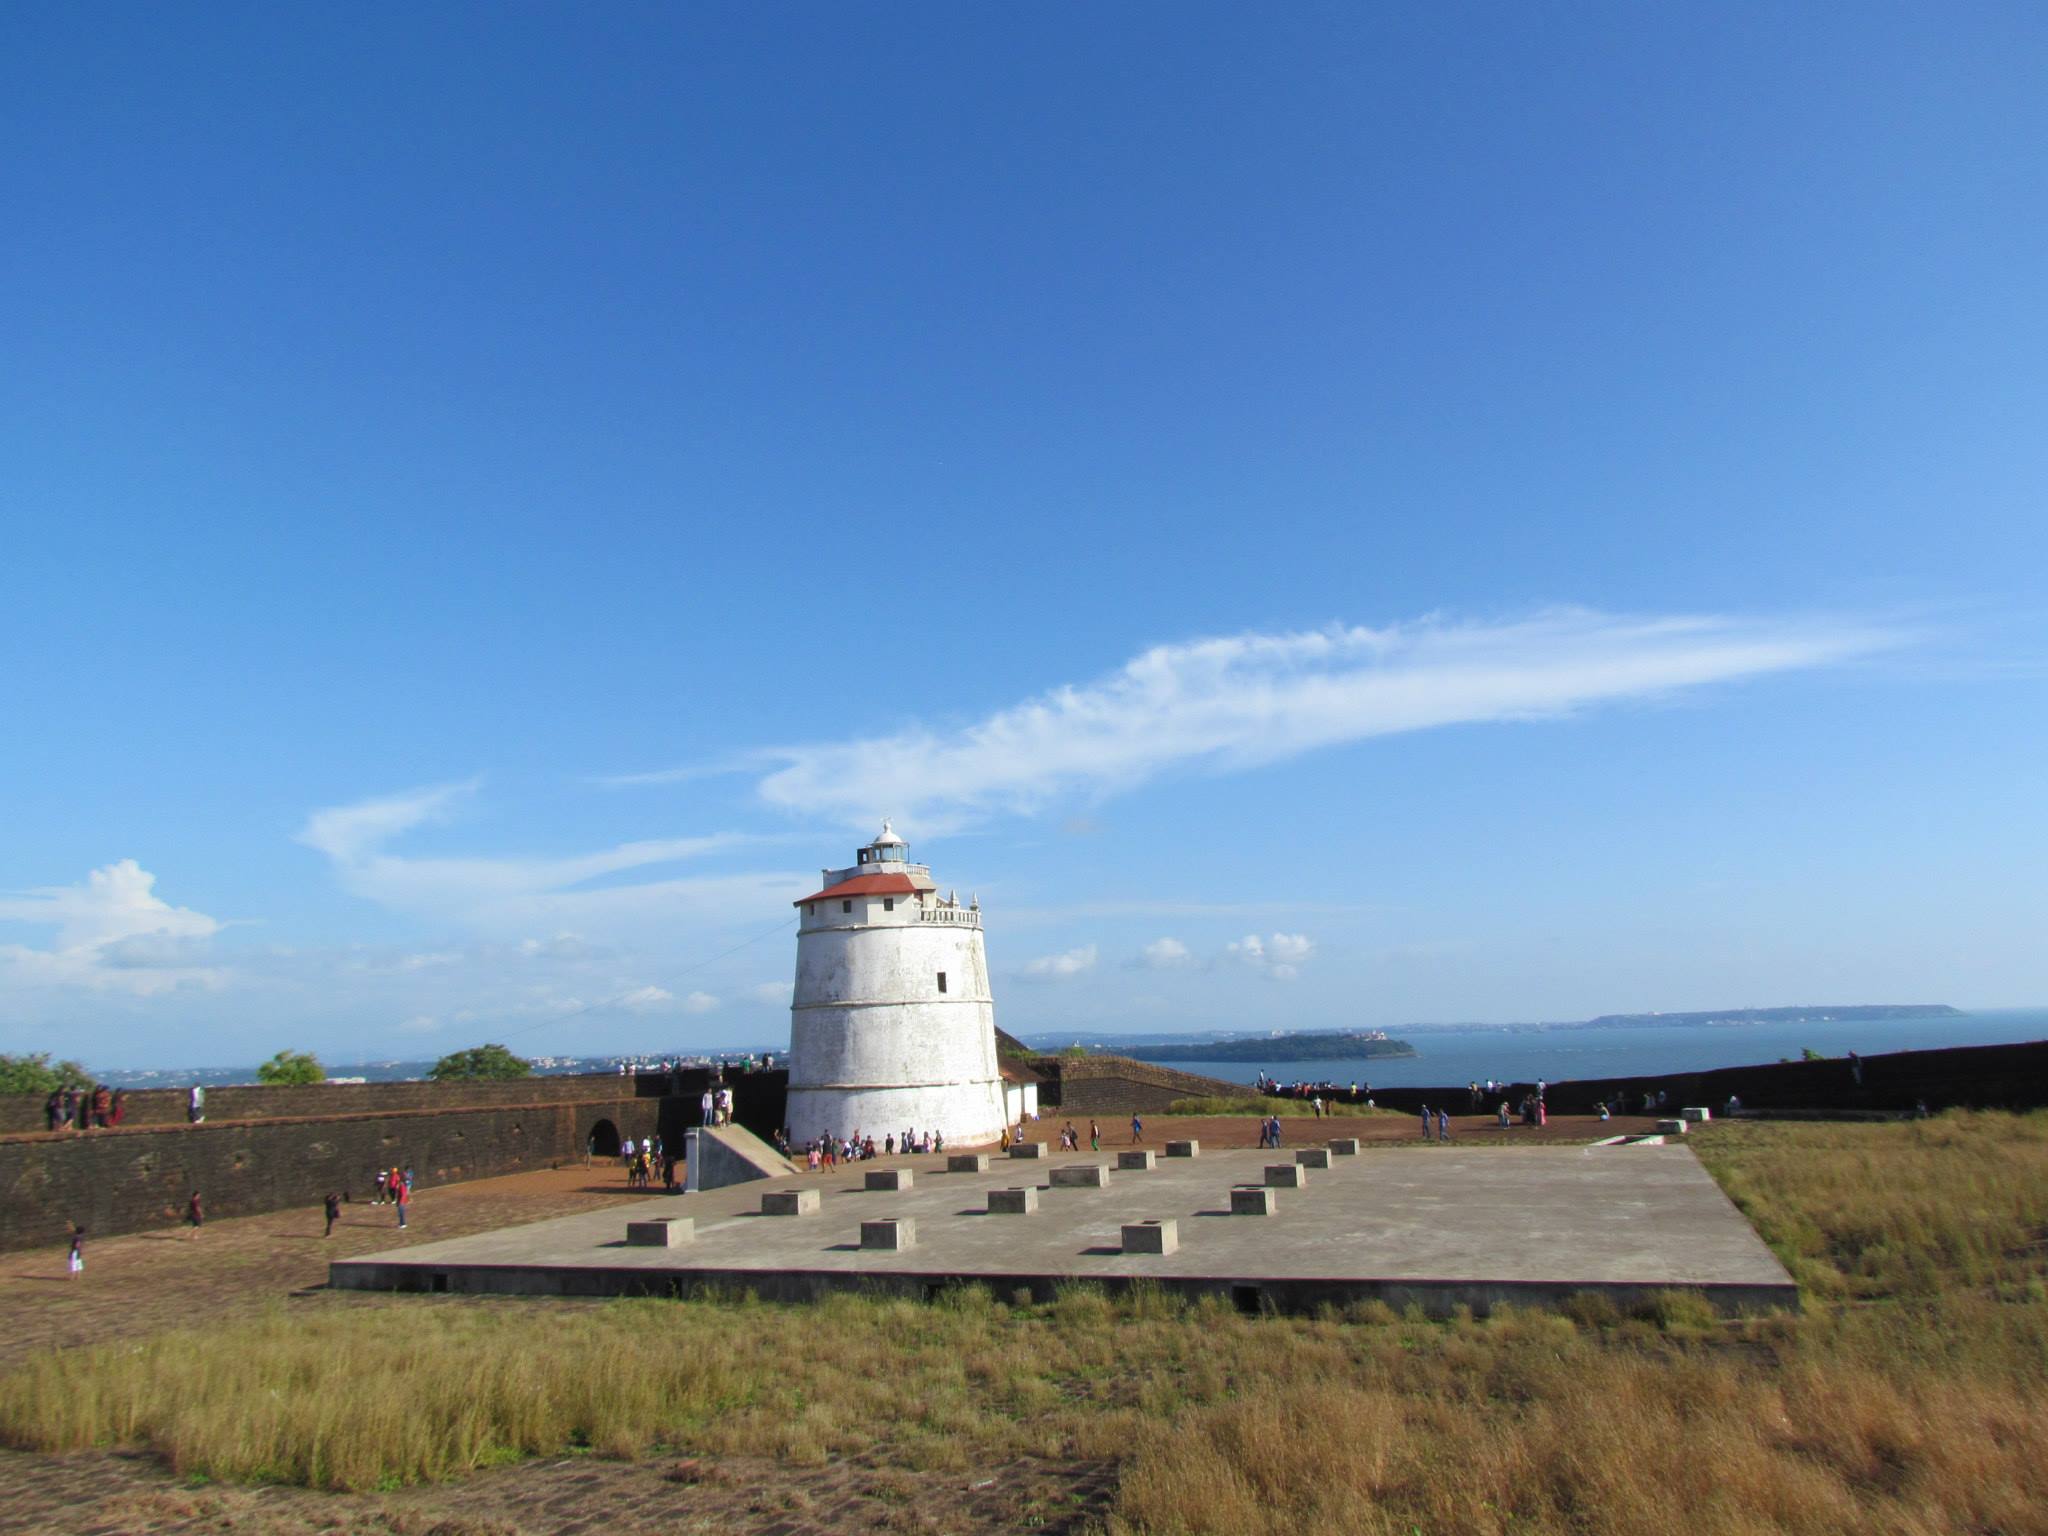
892 1027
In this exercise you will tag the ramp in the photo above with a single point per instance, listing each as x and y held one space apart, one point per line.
718 1155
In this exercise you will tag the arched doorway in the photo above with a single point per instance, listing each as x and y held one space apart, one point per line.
604 1139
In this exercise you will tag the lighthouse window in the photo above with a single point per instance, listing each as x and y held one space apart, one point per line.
888 903
942 981
846 906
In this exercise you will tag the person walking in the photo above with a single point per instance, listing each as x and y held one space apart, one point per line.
195 1214
77 1259
404 1198
1443 1125
1425 1122
1094 1137
333 1204
195 1104
1137 1130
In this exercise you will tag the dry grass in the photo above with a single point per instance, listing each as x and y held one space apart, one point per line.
1260 1105
1911 1398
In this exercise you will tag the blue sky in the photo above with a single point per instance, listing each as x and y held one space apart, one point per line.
1319 518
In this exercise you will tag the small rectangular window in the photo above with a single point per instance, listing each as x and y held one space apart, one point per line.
888 903
846 906
942 981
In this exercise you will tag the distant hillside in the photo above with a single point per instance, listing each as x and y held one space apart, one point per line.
1294 1047
1847 1013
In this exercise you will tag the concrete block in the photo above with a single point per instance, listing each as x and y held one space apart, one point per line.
1081 1176
1028 1149
1286 1176
967 1162
1253 1200
1698 1114
1671 1127
667 1232
1344 1146
1183 1149
891 1233
790 1202
1313 1157
1135 1162
889 1178
1160 1237
1013 1202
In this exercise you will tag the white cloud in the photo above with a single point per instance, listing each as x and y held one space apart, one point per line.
1279 956
1061 967
511 894
644 999
1167 955
112 932
1245 700
699 1002
776 994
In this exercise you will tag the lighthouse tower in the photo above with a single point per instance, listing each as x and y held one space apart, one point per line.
891 1027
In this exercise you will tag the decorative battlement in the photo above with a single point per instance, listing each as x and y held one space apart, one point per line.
964 917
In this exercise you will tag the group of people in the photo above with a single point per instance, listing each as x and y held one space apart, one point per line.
86 1109
394 1187
1323 1097
641 1159
714 1106
1269 1132
829 1151
1070 1137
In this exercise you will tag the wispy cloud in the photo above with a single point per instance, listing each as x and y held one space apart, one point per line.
514 894
1244 700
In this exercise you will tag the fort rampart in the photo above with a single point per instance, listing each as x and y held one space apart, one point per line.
290 1146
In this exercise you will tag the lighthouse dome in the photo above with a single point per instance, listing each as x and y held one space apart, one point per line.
888 839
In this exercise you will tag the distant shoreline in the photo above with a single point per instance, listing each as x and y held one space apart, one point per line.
1277 1048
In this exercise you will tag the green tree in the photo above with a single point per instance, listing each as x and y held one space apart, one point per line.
1810 1054
37 1074
292 1069
480 1061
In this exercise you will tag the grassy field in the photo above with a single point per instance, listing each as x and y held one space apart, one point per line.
1911 1397
1255 1104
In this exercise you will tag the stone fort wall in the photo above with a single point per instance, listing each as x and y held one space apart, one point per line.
140 1176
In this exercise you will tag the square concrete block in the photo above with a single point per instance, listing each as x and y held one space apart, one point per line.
1313 1157
1697 1115
1253 1200
1081 1176
891 1233
668 1232
1183 1149
889 1178
1028 1149
1344 1146
1136 1162
1152 1236
967 1162
1671 1127
790 1202
1013 1202
1286 1176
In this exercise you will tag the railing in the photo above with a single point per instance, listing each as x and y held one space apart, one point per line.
967 917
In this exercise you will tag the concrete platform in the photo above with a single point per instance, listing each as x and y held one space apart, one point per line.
1434 1226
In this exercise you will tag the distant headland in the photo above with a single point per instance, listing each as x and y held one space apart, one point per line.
1296 1046
1356 1044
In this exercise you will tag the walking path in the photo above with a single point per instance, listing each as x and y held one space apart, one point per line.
150 1281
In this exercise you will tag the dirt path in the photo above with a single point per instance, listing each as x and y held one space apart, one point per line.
150 1281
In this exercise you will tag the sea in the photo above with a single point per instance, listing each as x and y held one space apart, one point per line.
1451 1054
